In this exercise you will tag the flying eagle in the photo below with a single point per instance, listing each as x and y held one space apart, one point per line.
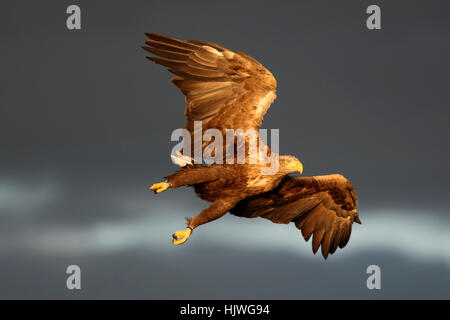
231 90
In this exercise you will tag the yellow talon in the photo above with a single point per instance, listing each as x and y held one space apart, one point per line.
180 237
160 187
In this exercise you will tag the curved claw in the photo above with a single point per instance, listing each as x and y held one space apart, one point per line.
160 187
180 237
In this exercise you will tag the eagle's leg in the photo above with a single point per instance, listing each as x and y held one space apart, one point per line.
180 237
217 209
160 187
187 177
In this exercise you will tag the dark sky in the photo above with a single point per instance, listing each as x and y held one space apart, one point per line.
85 124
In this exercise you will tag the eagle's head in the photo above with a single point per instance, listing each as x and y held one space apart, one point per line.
290 164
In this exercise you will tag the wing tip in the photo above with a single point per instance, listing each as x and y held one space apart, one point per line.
153 35
148 49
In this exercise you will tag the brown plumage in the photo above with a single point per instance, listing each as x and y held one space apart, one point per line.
322 206
220 85
231 90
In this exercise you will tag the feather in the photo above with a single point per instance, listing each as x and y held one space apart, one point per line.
168 47
317 239
326 243
171 55
172 41
311 203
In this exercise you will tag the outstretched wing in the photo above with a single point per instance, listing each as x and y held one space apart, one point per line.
321 206
223 89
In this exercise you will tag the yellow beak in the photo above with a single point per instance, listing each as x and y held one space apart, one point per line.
299 167
296 166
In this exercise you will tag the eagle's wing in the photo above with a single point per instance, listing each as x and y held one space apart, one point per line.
223 89
322 206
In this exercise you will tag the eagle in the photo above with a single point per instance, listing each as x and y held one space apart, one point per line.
231 90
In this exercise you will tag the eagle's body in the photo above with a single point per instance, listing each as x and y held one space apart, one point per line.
231 90
218 181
